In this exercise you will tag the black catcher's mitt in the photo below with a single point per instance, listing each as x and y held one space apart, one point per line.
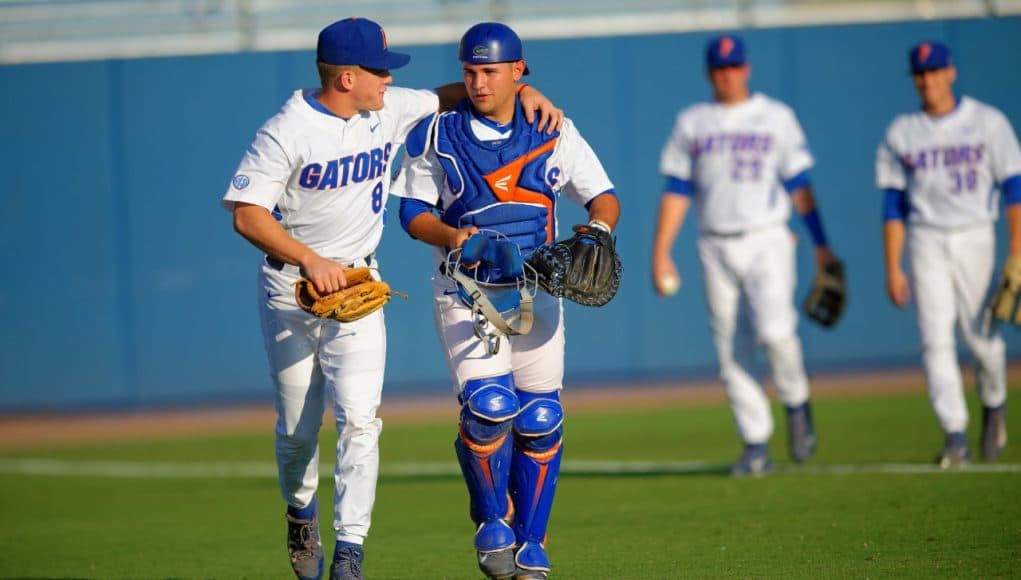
825 301
584 268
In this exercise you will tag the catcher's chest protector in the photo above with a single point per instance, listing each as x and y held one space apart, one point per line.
482 174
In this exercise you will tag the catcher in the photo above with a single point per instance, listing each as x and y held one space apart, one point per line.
480 184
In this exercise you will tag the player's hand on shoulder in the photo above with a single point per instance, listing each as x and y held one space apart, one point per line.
327 275
551 118
897 288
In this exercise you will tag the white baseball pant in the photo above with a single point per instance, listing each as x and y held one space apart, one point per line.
952 274
314 361
536 358
749 283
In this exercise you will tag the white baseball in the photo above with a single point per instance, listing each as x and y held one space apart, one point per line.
669 285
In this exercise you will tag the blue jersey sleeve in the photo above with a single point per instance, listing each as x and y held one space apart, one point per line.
895 205
797 182
675 186
1011 188
410 209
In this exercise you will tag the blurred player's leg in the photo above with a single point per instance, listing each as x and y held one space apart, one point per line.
769 283
734 338
734 341
933 289
974 265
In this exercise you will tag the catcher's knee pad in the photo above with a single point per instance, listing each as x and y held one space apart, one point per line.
483 445
535 465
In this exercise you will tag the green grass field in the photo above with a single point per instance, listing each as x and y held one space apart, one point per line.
867 506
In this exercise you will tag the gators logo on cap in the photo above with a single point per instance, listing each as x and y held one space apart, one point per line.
480 50
924 51
726 46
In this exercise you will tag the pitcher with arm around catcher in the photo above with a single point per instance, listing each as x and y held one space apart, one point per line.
481 185
309 192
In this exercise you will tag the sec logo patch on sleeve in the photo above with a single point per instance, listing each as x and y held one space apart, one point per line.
240 181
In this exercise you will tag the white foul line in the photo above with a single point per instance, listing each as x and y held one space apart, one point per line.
241 469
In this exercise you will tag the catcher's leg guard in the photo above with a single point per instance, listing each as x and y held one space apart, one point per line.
535 468
484 452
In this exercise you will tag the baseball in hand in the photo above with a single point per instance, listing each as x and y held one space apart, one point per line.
669 285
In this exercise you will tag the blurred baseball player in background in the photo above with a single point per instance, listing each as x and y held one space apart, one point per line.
940 168
483 176
735 156
310 193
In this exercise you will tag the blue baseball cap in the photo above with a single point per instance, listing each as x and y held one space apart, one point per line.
724 51
490 42
357 41
929 56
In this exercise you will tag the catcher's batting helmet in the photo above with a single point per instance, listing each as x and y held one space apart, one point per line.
490 42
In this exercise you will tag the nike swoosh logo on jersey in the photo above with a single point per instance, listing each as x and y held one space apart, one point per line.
373 128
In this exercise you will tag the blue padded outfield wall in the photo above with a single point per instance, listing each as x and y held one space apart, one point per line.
125 285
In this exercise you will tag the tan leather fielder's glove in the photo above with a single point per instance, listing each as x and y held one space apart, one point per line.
1004 303
361 297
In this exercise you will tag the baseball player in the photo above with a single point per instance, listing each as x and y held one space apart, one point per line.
940 168
484 170
310 193
744 160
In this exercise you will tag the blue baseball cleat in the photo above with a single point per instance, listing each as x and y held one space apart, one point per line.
347 562
753 461
955 453
994 431
304 547
800 432
494 544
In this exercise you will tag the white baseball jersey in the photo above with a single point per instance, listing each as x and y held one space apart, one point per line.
949 166
326 178
737 158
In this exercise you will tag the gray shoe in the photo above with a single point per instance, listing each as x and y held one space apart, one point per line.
800 432
304 547
753 461
347 563
994 431
498 565
955 451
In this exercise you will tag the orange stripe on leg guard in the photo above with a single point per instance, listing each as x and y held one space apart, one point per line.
480 449
543 456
